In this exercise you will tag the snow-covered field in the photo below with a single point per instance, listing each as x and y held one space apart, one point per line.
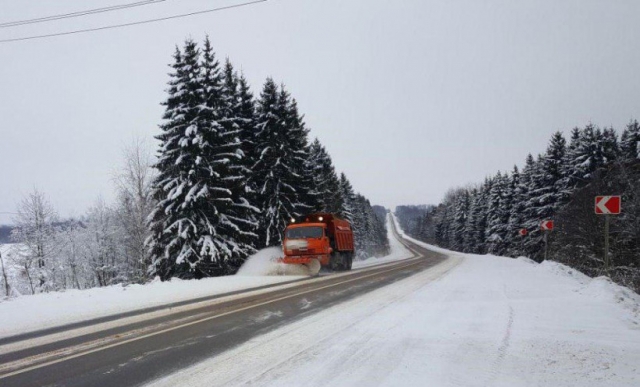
35 312
471 321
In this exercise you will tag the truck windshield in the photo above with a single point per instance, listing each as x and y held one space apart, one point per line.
304 232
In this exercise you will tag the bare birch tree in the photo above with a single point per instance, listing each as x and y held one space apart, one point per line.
133 184
34 229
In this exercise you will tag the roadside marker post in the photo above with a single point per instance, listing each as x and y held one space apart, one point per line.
523 233
546 226
607 206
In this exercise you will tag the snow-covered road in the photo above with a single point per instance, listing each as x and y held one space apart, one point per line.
471 321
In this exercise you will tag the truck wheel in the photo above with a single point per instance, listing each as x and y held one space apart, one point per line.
334 262
349 261
342 261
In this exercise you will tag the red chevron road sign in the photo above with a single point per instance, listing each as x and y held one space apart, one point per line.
608 205
546 225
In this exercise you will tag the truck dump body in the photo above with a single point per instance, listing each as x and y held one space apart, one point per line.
320 237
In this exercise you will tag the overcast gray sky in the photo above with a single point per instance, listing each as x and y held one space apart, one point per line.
410 97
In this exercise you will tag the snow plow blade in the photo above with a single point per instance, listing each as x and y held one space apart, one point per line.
299 266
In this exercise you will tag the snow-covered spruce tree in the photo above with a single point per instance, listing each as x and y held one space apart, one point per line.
589 150
508 197
308 196
519 197
545 190
240 216
569 178
550 194
468 240
629 142
369 229
361 226
248 132
585 157
460 214
348 198
326 180
498 212
445 230
452 203
194 227
440 227
274 174
177 223
610 146
533 243
477 222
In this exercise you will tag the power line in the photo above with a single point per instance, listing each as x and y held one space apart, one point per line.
133 23
78 13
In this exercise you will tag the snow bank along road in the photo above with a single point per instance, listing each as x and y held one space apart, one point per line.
139 348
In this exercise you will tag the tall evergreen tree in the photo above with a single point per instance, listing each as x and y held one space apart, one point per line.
327 184
534 207
469 240
476 224
237 215
281 153
547 194
629 142
179 242
348 198
610 147
308 196
246 116
570 179
461 212
516 219
497 215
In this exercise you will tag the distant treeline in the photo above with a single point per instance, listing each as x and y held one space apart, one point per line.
5 234
560 184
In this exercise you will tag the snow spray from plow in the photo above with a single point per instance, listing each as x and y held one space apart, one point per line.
268 262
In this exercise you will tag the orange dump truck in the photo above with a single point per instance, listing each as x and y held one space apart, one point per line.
319 237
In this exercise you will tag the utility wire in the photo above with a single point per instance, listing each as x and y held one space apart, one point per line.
78 13
132 23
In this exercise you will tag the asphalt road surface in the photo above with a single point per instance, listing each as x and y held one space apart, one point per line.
132 350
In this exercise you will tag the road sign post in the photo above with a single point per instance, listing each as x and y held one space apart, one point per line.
606 243
546 245
546 226
607 206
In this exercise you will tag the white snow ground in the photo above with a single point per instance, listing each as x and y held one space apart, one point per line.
471 321
35 312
